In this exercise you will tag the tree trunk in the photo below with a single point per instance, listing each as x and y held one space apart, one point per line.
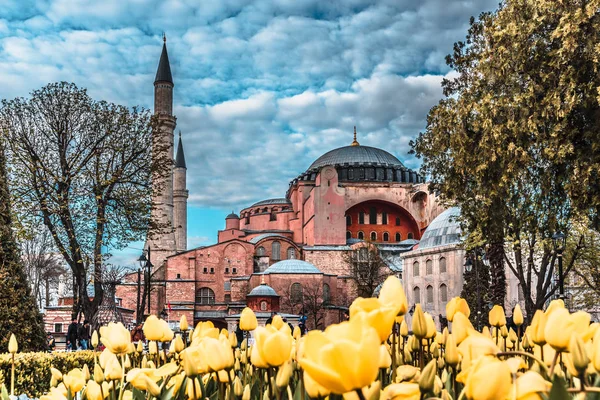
495 255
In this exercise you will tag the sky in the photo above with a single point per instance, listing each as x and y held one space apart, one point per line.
262 88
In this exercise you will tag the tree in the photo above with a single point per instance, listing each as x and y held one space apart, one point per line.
507 142
310 301
18 309
368 268
84 167
476 288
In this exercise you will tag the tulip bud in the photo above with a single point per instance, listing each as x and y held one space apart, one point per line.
407 356
440 363
238 389
297 333
56 374
140 347
144 362
283 375
419 323
98 374
244 344
13 346
94 340
538 327
427 379
183 323
86 372
404 329
451 354
152 348
431 331
246 394
93 391
434 349
233 341
526 342
113 371
497 317
248 320
179 346
518 315
504 331
486 331
171 347
512 335
578 354
385 359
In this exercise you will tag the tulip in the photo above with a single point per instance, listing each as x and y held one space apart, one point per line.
385 359
183 323
142 382
56 374
248 320
538 327
419 323
497 317
457 304
13 346
378 316
427 379
272 345
140 347
233 341
157 329
404 329
406 373
204 329
431 331
246 394
93 391
392 295
193 361
529 384
596 351
461 327
115 337
216 353
489 379
86 372
98 374
283 375
559 328
313 389
451 355
94 340
277 322
474 347
578 354
113 370
401 391
518 315
74 380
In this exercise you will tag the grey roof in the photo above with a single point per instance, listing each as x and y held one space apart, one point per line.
292 267
263 290
180 158
356 155
258 238
163 73
281 200
232 215
443 230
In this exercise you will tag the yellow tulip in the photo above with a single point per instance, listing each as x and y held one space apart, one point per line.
297 333
431 330
406 373
427 379
152 347
113 370
94 340
377 315
461 327
392 295
238 389
204 329
13 346
457 304
217 353
419 323
538 327
401 391
93 391
283 375
530 384
474 347
451 355
157 329
274 346
559 328
56 374
246 395
183 323
404 329
385 359
277 322
248 320
578 354
178 345
489 379
518 315
140 347
581 323
98 374
555 305
74 380
115 337
142 382
497 317
313 389
193 361
596 351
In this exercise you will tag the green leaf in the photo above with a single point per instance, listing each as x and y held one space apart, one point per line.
4 393
559 389
167 394
137 394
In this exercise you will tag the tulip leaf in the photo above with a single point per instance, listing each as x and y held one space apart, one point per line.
137 394
594 395
559 389
255 391
168 394
4 393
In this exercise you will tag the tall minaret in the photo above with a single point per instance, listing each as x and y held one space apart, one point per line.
162 242
180 196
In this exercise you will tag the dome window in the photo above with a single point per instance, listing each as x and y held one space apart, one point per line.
276 251
386 237
416 295
348 235
373 236
410 235
360 235
442 265
361 218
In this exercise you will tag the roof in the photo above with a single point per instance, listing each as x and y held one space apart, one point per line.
263 290
258 238
180 158
281 200
356 155
163 73
443 230
232 215
292 267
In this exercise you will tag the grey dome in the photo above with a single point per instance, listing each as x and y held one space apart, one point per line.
267 202
356 155
443 230
263 290
232 216
292 267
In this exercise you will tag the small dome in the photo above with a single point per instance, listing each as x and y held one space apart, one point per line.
263 290
443 230
292 267
232 216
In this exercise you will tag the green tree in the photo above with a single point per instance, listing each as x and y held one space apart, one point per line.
18 309
514 142
84 168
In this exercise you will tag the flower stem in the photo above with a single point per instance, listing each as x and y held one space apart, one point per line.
360 394
556 354
12 376
526 354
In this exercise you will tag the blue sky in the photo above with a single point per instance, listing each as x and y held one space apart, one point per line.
262 88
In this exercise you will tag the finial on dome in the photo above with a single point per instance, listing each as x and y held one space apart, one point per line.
164 37
262 280
354 142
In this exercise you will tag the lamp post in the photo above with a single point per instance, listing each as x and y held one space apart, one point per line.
147 265
559 240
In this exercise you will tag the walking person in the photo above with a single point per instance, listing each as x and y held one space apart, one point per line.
84 335
72 335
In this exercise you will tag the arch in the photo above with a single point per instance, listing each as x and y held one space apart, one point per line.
386 237
410 235
416 268
360 235
428 267
326 293
263 305
442 263
260 251
348 220
443 293
296 292
377 212
348 235
373 236
205 295
398 237
429 290
276 251
291 253
416 295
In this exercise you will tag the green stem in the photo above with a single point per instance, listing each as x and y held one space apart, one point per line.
12 376
556 354
360 394
122 377
526 354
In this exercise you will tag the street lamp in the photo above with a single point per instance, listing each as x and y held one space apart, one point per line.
147 265
559 240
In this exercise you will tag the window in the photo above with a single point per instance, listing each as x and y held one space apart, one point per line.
58 328
227 298
398 237
350 173
348 220
416 295
291 253
227 285
372 215
373 236
386 237
226 270
360 235
348 235
429 267
178 276
326 293
384 218
296 293
260 252
263 306
410 235
235 271
361 218
416 268
443 293
397 221
205 296
273 217
430 294
247 219
276 251
442 265
212 270
205 270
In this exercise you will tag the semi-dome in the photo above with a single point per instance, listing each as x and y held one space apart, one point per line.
443 230
263 290
292 267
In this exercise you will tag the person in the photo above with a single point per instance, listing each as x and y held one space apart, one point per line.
270 319
239 334
289 324
84 335
72 335
303 329
51 342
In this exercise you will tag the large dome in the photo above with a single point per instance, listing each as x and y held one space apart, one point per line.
443 230
361 155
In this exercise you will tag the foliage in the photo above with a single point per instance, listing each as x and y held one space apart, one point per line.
476 289
18 309
311 303
84 167
368 268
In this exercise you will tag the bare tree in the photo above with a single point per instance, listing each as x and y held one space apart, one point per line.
308 300
368 268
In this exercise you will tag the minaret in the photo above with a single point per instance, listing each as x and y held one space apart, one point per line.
162 241
180 196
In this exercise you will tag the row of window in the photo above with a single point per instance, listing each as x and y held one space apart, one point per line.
372 218
211 270
386 236
429 267
429 294
276 252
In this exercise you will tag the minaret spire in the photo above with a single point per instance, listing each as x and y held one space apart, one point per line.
180 157
354 142
163 73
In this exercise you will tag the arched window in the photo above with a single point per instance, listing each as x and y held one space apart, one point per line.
260 252
386 237
361 218
263 306
296 293
429 267
205 296
276 251
326 293
348 235
373 236
398 237
442 265
416 268
348 220
429 294
397 221
361 235
384 218
443 293
410 235
416 295
372 215
291 253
